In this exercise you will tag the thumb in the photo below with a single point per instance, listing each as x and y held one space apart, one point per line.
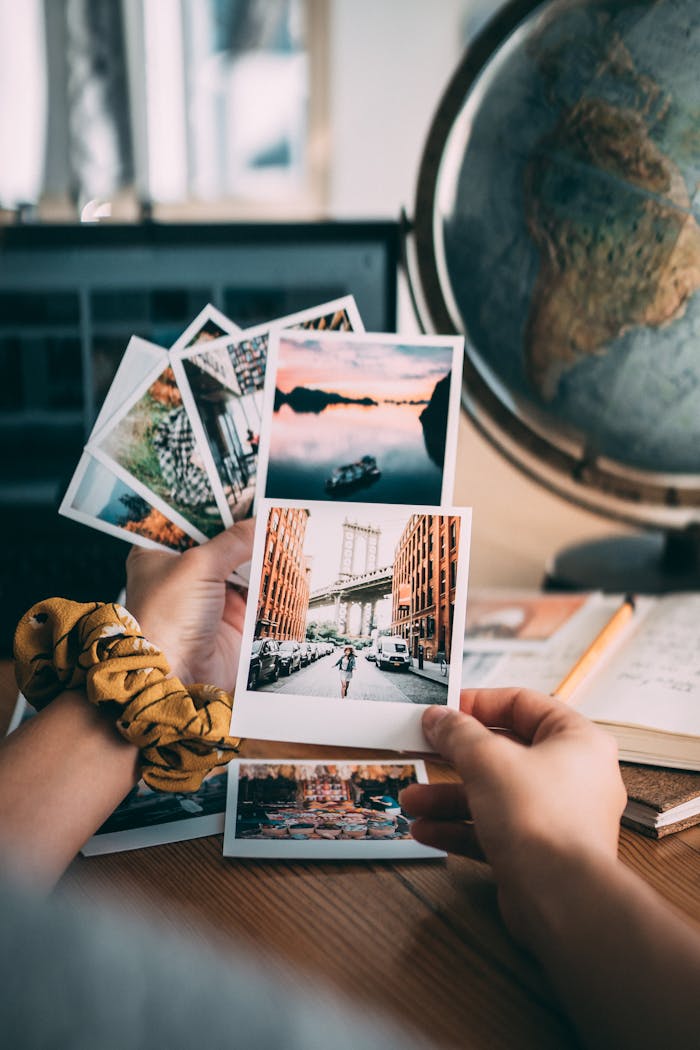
229 550
459 738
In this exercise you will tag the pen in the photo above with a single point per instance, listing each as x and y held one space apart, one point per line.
596 649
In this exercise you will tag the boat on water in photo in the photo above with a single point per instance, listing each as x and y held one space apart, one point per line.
353 475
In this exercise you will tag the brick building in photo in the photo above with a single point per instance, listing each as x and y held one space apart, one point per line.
283 600
424 583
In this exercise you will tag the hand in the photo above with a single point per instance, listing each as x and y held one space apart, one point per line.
521 808
187 609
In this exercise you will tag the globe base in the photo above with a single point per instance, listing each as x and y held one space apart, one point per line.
650 563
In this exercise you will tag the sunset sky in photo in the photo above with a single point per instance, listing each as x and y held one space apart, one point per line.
360 368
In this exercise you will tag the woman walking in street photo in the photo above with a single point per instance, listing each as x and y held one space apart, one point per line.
347 665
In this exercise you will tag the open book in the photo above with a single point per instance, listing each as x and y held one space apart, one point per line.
644 689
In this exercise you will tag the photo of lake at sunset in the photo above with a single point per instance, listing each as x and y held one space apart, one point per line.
368 418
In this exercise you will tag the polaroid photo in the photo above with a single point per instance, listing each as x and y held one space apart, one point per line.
354 622
332 810
96 497
209 324
152 818
149 444
364 417
222 390
138 361
503 621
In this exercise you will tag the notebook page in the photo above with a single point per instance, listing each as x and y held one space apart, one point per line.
543 669
653 680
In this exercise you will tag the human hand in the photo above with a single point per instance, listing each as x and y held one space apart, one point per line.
532 801
187 609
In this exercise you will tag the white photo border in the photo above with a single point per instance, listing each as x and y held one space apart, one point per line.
207 313
155 835
347 723
124 381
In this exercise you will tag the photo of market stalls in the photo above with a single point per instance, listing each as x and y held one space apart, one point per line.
322 801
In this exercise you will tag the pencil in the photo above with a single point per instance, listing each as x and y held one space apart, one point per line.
595 650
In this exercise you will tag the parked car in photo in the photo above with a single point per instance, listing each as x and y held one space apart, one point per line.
305 653
393 652
264 662
289 657
313 651
371 654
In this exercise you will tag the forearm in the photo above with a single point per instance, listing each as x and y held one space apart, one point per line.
61 775
625 963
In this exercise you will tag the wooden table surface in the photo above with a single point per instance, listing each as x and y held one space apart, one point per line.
422 940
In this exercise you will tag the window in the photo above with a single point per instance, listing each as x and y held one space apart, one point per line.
266 582
453 573
211 101
275 520
453 535
442 581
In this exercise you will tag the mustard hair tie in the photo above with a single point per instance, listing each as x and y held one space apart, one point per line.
181 733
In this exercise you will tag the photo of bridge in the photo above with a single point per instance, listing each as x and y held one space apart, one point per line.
342 562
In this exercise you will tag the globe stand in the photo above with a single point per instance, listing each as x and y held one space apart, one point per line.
650 563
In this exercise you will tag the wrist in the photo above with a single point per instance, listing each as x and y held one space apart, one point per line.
93 731
558 887
181 733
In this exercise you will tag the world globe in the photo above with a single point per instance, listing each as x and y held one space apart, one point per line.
556 226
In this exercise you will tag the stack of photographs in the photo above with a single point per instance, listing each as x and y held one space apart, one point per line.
172 458
343 445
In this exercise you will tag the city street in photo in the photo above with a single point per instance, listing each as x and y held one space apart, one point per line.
354 623
363 417
332 810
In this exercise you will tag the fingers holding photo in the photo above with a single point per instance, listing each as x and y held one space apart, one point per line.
452 836
523 712
439 801
227 553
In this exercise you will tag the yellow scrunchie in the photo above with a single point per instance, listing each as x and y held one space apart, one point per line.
182 734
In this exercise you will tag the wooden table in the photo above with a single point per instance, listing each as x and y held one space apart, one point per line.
423 941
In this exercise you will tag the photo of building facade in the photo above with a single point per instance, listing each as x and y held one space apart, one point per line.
248 359
424 584
284 585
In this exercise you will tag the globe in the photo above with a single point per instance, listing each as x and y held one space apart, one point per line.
556 226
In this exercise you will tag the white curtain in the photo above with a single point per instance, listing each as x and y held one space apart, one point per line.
23 102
